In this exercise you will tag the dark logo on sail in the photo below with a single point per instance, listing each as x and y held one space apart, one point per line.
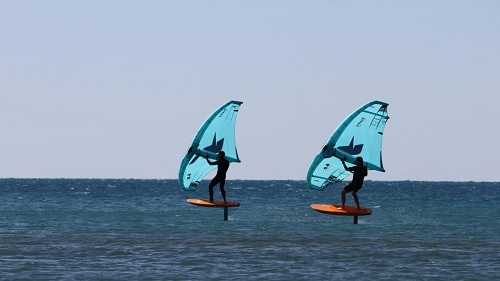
351 148
215 147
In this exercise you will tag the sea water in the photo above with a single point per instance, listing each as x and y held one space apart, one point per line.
93 229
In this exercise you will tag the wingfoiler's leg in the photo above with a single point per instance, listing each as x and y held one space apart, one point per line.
211 193
222 190
355 197
342 198
213 183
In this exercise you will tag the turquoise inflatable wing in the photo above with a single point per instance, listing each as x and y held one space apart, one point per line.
360 134
216 134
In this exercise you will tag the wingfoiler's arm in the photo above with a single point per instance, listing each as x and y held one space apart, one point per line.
345 167
210 162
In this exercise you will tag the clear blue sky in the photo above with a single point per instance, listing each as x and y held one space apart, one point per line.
118 89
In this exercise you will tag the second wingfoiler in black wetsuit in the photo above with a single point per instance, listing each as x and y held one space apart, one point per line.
220 177
359 173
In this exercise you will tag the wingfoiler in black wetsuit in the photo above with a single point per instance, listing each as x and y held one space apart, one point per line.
359 173
358 177
220 177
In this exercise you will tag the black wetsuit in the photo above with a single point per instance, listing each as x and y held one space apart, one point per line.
358 177
220 178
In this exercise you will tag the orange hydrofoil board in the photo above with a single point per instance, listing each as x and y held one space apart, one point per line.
335 210
214 204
